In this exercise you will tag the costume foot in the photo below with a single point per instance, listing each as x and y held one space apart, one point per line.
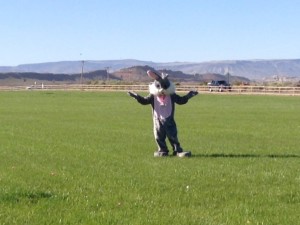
160 154
182 154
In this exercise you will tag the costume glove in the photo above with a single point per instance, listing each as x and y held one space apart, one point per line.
192 94
132 94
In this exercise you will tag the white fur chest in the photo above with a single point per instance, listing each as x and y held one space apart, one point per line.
162 108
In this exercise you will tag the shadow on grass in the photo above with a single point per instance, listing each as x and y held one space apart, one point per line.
223 155
32 197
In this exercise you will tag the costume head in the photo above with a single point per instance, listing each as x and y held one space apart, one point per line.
161 84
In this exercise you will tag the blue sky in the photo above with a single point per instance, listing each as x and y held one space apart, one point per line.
34 31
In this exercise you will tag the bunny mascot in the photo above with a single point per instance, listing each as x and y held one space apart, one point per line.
162 98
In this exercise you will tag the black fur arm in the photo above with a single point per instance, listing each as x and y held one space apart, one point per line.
180 100
142 100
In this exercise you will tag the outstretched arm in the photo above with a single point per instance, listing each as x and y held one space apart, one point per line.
142 100
132 94
180 100
192 94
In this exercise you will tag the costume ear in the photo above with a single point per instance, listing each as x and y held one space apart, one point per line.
154 75
164 75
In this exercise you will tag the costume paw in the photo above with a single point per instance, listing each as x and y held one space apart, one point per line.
160 154
132 94
182 154
192 93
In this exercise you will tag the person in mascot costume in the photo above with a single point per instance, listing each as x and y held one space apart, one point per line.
162 98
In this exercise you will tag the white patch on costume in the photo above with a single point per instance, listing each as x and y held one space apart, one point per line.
162 109
162 100
155 91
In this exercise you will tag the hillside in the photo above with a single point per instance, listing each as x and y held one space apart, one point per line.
19 78
251 69
139 73
131 74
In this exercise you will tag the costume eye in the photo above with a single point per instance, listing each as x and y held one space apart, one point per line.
166 84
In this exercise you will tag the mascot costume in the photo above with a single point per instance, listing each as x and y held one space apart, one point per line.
162 98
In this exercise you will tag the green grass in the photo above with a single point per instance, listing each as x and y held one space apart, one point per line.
87 158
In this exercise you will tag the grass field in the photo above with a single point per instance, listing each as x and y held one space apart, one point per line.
87 158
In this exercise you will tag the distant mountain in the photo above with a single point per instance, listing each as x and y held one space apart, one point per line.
73 67
19 77
252 69
131 74
139 73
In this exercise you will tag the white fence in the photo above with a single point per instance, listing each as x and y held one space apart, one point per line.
265 90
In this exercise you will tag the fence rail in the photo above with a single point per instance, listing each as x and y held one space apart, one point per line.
265 90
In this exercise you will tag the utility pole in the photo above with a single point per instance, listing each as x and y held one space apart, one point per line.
107 73
228 74
81 77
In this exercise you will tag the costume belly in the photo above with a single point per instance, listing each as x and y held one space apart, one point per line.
162 107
